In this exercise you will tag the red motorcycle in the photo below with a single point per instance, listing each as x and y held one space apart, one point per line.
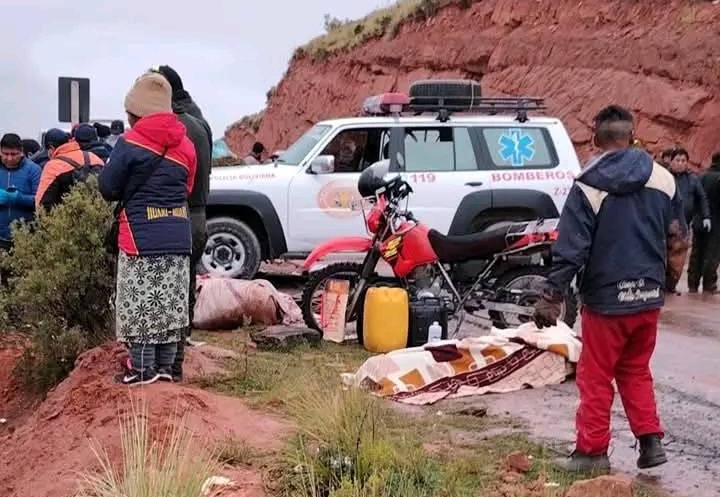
498 272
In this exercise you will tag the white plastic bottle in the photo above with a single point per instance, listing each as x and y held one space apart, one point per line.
434 332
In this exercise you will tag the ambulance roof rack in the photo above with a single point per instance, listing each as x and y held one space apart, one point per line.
444 106
446 96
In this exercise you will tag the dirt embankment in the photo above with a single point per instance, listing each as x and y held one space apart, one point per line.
661 59
43 455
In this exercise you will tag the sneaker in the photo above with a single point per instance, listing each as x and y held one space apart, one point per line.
177 374
652 452
692 290
165 374
134 377
585 464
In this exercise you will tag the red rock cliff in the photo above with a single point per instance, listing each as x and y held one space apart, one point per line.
660 58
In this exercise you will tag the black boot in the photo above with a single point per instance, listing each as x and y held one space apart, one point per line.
652 452
585 464
177 367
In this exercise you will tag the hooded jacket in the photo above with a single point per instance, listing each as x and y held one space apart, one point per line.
199 133
24 179
155 220
60 173
619 218
695 204
183 103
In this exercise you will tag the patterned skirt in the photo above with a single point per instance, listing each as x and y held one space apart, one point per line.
151 303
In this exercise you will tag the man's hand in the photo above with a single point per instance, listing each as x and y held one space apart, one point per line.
707 225
547 309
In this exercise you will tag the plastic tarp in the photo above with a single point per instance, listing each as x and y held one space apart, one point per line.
224 303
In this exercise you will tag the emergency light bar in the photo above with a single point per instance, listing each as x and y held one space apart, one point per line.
385 103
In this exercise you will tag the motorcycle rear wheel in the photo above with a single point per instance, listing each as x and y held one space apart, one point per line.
310 300
534 275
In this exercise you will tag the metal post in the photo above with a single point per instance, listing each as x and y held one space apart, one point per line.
75 102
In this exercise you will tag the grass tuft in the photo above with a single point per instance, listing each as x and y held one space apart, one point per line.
173 465
235 452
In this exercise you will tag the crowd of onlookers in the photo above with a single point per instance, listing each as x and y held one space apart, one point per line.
700 195
158 174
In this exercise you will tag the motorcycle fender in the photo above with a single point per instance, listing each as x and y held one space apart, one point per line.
337 245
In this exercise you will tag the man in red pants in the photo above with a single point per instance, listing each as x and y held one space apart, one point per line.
618 220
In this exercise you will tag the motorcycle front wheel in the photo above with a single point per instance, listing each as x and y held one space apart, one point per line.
311 300
529 279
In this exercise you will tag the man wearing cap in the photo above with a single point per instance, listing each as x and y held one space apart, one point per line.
52 136
198 131
117 128
68 164
86 136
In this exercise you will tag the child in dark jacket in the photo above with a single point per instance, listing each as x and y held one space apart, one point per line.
614 229
697 215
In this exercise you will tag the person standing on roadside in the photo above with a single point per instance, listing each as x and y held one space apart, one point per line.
705 255
181 97
697 216
117 128
198 133
30 147
52 137
613 234
151 171
666 157
86 136
68 165
19 180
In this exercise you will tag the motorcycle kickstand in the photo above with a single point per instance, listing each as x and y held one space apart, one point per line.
461 318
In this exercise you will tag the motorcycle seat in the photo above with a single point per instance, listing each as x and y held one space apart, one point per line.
462 248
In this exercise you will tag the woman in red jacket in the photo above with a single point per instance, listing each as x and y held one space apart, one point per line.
155 162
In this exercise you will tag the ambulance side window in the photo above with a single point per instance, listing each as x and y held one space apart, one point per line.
356 149
518 147
439 149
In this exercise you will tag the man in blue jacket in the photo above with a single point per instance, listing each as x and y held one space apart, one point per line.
620 216
19 180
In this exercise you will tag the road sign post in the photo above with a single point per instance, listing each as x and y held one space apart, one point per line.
73 100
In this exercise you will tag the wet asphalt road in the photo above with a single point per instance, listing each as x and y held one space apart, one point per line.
687 379
686 367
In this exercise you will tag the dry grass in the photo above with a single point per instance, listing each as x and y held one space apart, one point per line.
351 444
236 452
176 464
382 22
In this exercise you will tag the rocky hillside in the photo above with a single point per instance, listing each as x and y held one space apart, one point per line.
661 58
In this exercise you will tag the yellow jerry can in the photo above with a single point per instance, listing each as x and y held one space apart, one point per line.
385 319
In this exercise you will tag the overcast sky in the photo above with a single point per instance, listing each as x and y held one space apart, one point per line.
228 52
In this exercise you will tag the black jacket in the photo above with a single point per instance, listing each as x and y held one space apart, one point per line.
186 104
41 158
711 184
695 204
199 133
99 148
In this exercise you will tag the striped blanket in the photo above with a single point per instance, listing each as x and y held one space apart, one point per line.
504 361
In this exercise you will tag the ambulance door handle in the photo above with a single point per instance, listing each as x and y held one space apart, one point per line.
474 183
